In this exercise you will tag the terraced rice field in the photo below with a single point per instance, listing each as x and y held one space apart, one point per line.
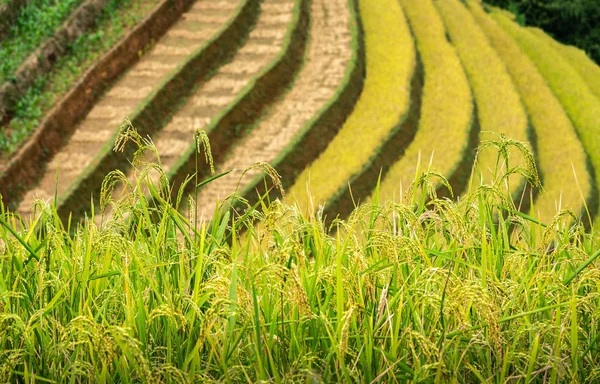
560 161
447 117
337 93
327 58
204 109
196 27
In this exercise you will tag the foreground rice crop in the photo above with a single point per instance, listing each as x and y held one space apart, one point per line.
443 293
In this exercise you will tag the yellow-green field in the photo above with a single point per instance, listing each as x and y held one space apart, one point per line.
499 107
581 105
391 60
560 161
436 222
442 139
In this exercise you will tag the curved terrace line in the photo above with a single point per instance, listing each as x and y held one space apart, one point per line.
384 102
327 57
562 163
580 104
81 156
274 40
499 106
445 125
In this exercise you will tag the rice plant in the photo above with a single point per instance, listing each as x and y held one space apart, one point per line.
468 291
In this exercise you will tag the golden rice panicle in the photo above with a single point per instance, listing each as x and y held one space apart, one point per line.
390 63
580 104
562 162
578 59
499 107
447 105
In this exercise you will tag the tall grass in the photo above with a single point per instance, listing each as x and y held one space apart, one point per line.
443 292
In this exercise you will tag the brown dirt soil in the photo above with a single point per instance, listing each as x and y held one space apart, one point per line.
264 43
327 58
190 33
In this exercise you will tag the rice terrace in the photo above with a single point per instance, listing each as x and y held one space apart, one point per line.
306 191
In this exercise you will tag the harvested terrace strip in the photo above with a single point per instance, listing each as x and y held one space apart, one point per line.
586 67
205 109
575 96
383 104
446 113
326 61
499 108
192 32
562 163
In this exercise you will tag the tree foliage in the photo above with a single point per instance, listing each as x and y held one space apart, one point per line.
573 22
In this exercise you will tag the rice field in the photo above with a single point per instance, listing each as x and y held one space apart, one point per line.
447 112
307 191
581 105
559 161
499 107
384 102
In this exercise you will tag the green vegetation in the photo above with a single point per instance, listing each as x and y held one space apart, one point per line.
573 22
578 101
458 297
499 107
36 22
562 162
447 107
384 102
117 18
